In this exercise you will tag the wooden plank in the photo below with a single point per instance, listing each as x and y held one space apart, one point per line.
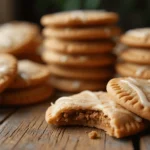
118 144
5 113
145 140
27 129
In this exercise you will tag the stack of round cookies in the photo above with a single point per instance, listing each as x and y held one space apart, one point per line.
135 58
78 46
25 82
21 39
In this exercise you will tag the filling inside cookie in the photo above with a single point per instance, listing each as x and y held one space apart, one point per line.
89 118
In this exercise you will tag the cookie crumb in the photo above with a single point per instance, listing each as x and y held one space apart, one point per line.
93 135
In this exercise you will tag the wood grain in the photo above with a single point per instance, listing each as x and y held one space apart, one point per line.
26 129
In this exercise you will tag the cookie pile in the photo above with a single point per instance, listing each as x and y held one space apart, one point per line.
78 47
22 82
121 111
21 39
135 58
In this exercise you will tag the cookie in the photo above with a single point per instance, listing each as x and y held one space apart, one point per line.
78 47
8 70
94 109
52 57
82 33
26 96
132 94
72 85
80 73
17 37
137 37
30 74
134 55
80 18
133 70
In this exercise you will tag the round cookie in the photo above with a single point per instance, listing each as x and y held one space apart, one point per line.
71 85
8 70
80 18
134 55
133 70
78 47
52 57
132 94
139 37
17 37
30 74
26 96
80 73
84 33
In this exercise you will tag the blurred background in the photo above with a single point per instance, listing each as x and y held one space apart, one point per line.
133 13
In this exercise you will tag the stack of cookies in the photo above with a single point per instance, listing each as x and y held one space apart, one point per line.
135 57
78 46
22 82
21 39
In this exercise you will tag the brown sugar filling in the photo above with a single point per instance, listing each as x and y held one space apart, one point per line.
89 118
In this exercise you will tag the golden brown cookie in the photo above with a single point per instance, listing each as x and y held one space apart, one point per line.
72 85
82 73
30 74
82 33
26 96
94 109
133 94
52 57
78 47
133 70
8 70
80 18
135 55
17 37
139 37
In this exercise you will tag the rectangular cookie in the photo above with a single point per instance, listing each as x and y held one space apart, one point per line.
95 109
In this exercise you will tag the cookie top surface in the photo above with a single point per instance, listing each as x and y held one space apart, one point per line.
15 35
8 70
96 101
136 55
133 70
139 37
79 17
76 85
52 57
30 74
82 33
78 47
80 73
131 93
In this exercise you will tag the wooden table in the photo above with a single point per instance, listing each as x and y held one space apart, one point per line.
25 129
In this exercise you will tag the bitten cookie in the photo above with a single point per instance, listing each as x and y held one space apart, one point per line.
72 85
8 70
52 57
80 73
30 74
137 37
132 94
78 47
134 55
82 33
94 109
17 37
26 96
80 18
133 70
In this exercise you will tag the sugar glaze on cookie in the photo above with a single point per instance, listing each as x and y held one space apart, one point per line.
135 85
